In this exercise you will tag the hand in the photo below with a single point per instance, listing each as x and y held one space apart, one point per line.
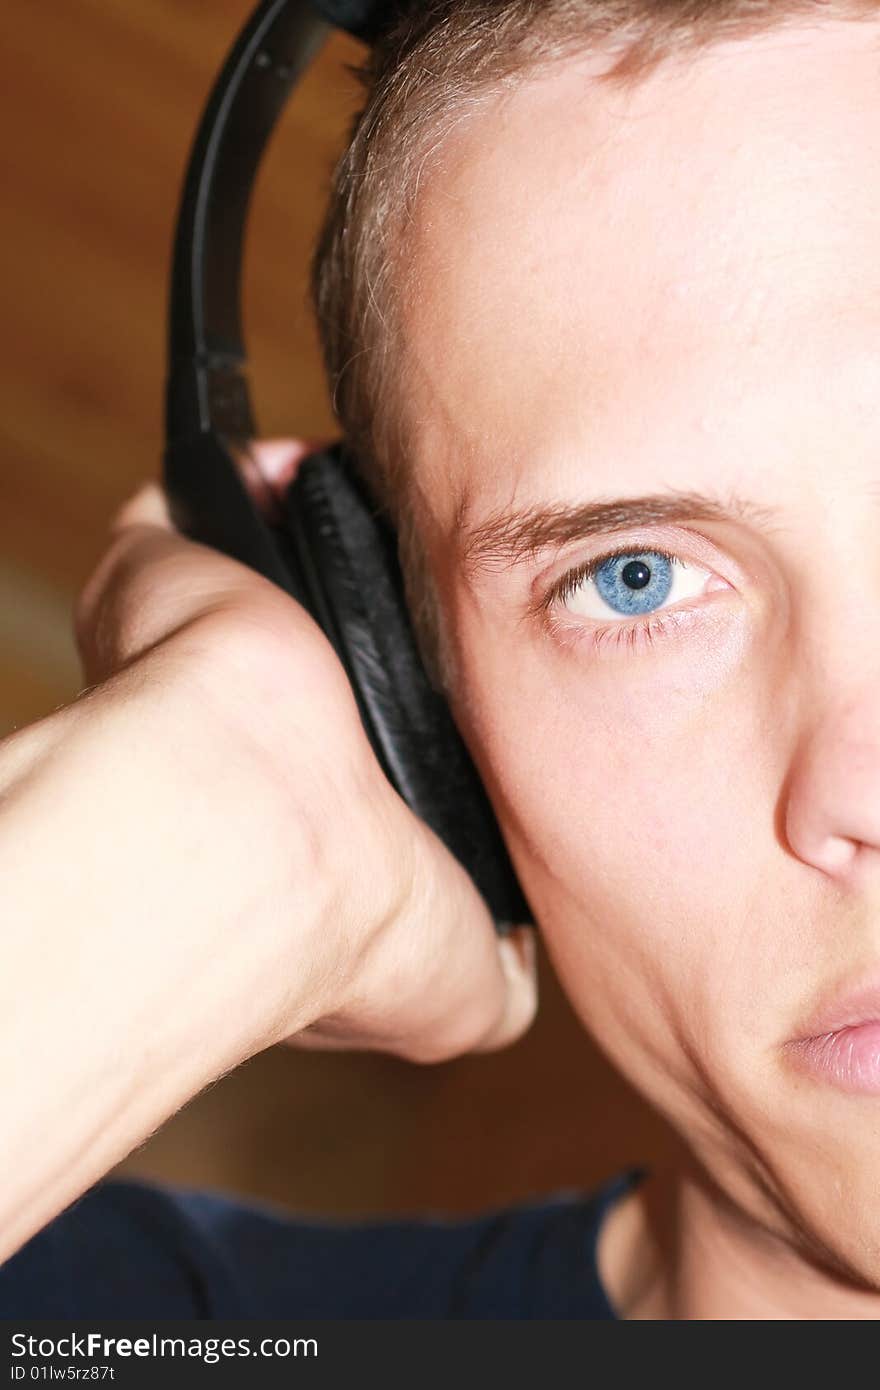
403 955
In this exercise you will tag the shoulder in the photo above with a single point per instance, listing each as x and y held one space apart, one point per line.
132 1250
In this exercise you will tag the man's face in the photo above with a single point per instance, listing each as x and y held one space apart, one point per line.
677 290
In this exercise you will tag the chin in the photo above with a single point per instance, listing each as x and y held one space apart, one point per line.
822 1186
798 1162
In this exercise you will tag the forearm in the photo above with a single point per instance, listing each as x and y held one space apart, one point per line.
203 857
135 956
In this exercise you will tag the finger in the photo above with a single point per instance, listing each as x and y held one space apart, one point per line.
140 523
279 459
484 1005
514 982
146 507
518 956
268 467
316 1039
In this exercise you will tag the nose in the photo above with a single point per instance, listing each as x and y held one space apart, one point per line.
832 800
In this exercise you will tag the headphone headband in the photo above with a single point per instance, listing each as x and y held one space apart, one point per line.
207 391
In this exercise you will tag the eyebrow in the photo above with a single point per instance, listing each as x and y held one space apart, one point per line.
505 538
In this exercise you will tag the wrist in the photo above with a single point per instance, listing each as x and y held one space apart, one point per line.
348 855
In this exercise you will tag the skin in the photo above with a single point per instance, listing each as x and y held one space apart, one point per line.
694 820
621 293
199 907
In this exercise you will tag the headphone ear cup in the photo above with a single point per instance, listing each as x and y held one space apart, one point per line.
346 556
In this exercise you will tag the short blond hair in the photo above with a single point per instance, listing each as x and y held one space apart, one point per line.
449 53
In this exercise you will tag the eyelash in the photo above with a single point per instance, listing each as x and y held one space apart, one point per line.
638 634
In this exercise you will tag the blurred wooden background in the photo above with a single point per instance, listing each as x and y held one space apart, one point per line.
101 99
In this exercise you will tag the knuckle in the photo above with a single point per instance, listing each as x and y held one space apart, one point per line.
89 607
460 1032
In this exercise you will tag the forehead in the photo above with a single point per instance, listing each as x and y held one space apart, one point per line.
597 272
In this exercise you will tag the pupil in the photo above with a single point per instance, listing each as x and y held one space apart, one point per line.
636 574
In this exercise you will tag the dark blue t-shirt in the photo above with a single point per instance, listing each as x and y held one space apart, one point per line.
128 1250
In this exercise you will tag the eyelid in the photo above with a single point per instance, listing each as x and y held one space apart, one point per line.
573 579
680 541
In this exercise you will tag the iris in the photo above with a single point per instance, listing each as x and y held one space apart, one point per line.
634 584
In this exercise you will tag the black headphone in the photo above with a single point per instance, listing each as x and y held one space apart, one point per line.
334 553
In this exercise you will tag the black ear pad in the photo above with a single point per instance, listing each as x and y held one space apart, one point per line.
345 557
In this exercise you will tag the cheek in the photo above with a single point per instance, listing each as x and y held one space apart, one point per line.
638 816
635 759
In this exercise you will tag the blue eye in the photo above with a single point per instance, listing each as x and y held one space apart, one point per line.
635 584
629 584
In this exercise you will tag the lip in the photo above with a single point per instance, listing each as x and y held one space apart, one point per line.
840 1042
